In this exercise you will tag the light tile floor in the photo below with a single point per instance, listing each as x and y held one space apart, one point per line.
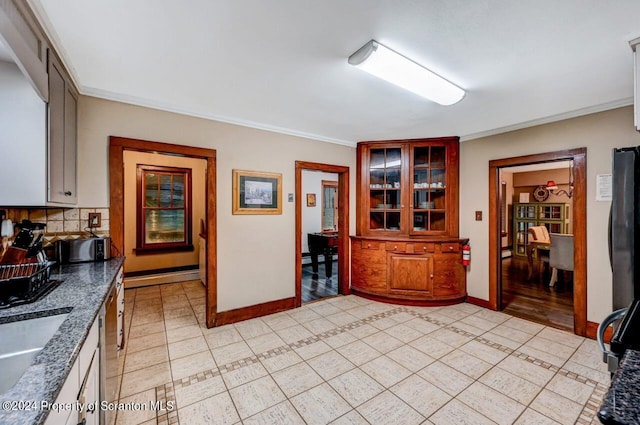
348 360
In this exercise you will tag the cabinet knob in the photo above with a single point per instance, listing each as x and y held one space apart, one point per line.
395 247
450 248
368 245
67 193
431 276
424 248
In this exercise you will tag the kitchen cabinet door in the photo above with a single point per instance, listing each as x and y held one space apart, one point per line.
62 187
408 187
410 274
90 396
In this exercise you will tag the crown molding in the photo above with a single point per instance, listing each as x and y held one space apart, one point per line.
137 101
551 118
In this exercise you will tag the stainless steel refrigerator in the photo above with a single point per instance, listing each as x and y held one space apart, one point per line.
624 253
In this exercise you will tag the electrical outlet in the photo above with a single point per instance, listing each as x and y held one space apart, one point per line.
478 215
95 220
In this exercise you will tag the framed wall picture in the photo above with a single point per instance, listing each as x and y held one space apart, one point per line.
257 192
311 199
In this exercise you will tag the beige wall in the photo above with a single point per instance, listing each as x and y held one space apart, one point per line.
198 178
528 181
268 241
540 177
256 253
599 133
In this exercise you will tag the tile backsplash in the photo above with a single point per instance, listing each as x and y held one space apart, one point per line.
62 223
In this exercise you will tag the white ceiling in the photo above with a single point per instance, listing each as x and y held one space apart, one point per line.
282 64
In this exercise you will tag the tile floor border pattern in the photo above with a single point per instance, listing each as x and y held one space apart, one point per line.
166 393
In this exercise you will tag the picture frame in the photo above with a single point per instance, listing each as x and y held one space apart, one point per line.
256 192
311 199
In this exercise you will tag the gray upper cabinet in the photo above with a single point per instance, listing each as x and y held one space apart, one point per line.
62 146
38 115
23 36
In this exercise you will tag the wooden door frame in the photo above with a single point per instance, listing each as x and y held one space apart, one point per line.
117 146
343 224
579 158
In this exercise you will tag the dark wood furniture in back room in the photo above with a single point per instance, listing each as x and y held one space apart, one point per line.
407 249
325 244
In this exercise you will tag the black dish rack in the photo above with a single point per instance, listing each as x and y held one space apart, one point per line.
25 283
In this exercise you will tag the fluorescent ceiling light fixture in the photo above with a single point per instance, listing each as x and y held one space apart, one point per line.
379 60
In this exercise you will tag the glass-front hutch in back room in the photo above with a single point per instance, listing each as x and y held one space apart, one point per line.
554 216
407 245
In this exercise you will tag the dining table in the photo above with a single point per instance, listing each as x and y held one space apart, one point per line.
537 248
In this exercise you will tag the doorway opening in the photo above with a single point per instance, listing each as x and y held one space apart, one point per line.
529 210
519 282
117 148
322 220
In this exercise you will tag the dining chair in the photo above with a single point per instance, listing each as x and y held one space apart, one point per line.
537 235
560 255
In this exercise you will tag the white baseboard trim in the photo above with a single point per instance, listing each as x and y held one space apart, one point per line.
158 279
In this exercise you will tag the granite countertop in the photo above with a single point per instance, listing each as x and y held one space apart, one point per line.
621 404
82 292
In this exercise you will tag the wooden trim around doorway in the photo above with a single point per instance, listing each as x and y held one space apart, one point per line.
343 224
579 211
117 146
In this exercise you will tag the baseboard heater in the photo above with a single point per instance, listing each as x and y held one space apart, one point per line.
158 278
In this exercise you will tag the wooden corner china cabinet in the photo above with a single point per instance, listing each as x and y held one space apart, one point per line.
407 249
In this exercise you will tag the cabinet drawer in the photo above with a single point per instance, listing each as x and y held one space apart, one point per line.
424 247
370 245
446 248
396 246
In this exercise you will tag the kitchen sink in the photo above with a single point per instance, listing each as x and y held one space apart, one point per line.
22 340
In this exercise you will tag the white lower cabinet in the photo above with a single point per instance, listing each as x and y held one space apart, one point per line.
82 385
68 394
90 393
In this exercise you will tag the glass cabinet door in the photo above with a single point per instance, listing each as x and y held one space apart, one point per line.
551 212
429 185
526 211
521 236
385 166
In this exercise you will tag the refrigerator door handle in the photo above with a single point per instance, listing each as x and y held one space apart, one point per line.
609 357
609 236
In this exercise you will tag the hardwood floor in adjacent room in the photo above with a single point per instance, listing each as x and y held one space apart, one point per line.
314 289
534 300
